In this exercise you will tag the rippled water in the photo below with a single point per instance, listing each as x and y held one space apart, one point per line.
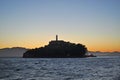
96 68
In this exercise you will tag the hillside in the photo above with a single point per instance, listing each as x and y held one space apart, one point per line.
57 49
12 52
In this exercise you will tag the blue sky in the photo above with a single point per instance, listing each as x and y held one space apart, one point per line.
33 23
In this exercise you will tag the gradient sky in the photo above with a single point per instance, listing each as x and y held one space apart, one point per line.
33 23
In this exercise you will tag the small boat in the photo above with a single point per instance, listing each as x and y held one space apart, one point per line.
90 55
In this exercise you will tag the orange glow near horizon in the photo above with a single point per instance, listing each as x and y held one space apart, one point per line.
92 42
92 46
31 46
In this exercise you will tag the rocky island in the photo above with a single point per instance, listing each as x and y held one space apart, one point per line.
57 49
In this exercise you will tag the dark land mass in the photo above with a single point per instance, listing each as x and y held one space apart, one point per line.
57 49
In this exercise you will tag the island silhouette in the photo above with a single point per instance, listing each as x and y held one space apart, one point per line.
58 49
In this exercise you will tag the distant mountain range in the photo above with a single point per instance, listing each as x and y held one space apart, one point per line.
98 53
12 52
18 52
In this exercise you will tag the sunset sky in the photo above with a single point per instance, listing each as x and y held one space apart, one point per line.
33 23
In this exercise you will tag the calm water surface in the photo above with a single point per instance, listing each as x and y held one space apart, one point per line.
96 68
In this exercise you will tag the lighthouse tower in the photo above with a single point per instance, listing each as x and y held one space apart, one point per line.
56 37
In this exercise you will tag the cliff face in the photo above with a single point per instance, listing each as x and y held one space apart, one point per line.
57 49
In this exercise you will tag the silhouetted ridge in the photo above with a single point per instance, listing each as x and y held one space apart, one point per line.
57 49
